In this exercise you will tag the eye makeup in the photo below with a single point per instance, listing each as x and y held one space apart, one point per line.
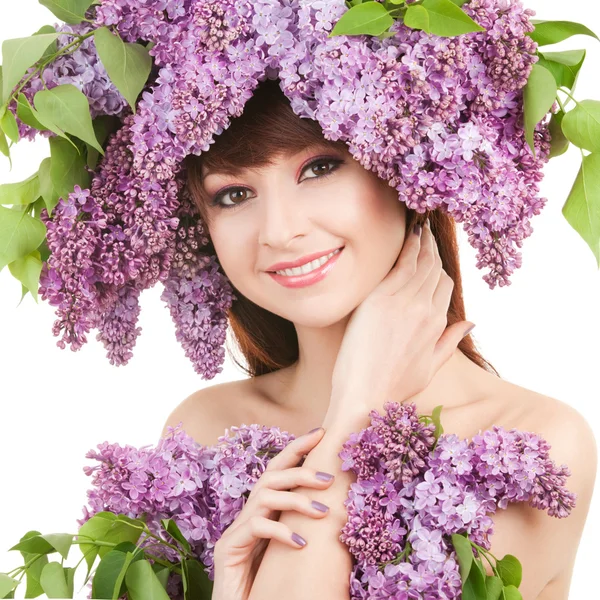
334 161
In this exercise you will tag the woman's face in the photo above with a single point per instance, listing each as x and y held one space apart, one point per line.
315 200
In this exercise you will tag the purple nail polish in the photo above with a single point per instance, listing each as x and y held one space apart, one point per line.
417 228
319 506
323 476
298 539
313 430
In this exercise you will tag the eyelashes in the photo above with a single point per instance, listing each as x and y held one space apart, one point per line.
217 199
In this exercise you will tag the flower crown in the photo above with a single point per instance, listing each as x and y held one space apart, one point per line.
449 101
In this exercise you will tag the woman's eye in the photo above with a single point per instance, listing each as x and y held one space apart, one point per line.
320 162
238 195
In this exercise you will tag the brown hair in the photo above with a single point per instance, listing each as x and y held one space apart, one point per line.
267 127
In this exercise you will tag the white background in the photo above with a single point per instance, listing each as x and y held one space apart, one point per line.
542 332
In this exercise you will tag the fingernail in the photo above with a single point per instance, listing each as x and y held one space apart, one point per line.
469 330
323 476
313 430
417 229
319 506
298 539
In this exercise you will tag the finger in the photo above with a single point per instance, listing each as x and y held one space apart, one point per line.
288 479
253 528
448 343
443 293
405 265
268 500
425 261
291 455
432 280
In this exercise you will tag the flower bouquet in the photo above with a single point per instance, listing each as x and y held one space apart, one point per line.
418 526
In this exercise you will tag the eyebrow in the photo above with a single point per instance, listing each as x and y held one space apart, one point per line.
235 171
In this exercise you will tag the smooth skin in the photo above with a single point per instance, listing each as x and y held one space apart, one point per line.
405 318
289 211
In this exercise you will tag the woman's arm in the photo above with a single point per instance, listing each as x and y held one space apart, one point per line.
322 568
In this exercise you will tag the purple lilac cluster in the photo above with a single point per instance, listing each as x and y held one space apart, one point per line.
203 489
399 529
411 493
439 118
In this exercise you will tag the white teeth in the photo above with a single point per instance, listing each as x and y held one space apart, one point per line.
308 267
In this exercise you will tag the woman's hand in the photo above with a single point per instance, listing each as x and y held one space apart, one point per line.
240 550
397 338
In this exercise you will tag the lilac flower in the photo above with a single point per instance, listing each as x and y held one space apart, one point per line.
440 119
398 533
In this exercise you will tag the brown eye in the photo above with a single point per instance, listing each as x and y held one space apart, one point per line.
323 167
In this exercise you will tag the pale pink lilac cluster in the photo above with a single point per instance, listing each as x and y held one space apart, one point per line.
439 118
411 493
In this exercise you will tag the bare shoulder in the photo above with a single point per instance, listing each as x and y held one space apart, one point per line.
205 414
547 546
569 434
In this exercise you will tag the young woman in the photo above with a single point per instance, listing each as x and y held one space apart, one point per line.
382 319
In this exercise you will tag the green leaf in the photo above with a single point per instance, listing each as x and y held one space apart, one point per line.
23 192
133 553
558 142
446 19
114 529
27 113
104 125
9 126
162 573
54 581
70 577
61 542
474 587
510 570
538 97
31 117
494 586
69 11
67 169
34 571
4 144
460 2
462 546
68 108
512 593
94 528
108 579
18 55
7 584
552 32
47 190
582 208
196 584
53 47
581 125
35 544
172 529
417 17
369 18
436 417
27 270
565 66
127 65
143 584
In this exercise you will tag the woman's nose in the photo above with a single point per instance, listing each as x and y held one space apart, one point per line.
280 221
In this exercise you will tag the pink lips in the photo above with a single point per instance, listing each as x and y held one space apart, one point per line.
296 281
